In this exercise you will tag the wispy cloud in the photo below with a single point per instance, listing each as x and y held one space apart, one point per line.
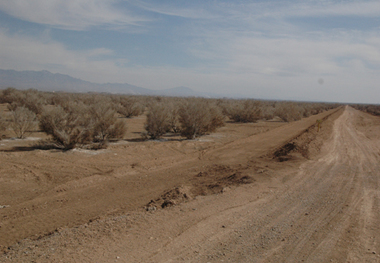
256 48
71 14
256 68
190 9
33 53
336 8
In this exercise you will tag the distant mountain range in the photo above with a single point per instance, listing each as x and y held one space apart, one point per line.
47 81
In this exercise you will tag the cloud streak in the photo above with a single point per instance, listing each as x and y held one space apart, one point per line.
254 49
72 14
32 53
334 8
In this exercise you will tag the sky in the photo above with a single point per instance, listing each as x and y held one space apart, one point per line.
325 50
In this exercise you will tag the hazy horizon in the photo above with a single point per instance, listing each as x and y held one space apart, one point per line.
289 50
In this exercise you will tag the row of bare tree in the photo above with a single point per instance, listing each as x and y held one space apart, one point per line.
76 119
369 108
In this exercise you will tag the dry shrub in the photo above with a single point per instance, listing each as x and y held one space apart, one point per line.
313 108
76 124
61 99
173 115
33 101
371 109
75 107
118 130
288 111
13 106
105 123
245 111
129 107
93 98
268 110
22 121
82 119
292 111
174 124
198 117
9 95
3 126
30 99
157 121
307 110
67 128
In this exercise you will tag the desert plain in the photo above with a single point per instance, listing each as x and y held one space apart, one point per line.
269 191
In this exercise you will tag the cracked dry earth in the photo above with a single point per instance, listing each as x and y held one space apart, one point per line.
325 209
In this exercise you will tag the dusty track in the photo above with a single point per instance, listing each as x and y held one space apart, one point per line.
47 190
326 210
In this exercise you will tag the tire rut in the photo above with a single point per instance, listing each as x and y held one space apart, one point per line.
327 212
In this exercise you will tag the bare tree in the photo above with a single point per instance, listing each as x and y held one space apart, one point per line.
129 107
198 117
157 122
3 126
22 121
67 128
105 123
173 118
289 111
245 111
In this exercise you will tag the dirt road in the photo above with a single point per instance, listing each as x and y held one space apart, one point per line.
328 212
325 209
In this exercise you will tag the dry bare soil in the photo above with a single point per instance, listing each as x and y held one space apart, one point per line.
263 192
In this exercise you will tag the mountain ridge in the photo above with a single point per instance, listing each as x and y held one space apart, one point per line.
45 80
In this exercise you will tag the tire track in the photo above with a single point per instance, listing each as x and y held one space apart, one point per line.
327 212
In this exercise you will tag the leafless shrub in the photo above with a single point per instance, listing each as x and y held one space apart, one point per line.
93 98
129 107
198 117
173 116
268 110
3 126
217 119
61 99
22 121
105 123
9 95
371 109
67 128
76 124
224 105
118 130
288 111
291 111
13 106
30 99
157 122
33 101
313 108
245 111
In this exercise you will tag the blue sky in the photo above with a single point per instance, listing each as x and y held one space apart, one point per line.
299 50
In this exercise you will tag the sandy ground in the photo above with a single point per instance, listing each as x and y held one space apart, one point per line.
226 197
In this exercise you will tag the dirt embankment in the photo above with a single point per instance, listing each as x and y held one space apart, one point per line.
218 178
309 142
